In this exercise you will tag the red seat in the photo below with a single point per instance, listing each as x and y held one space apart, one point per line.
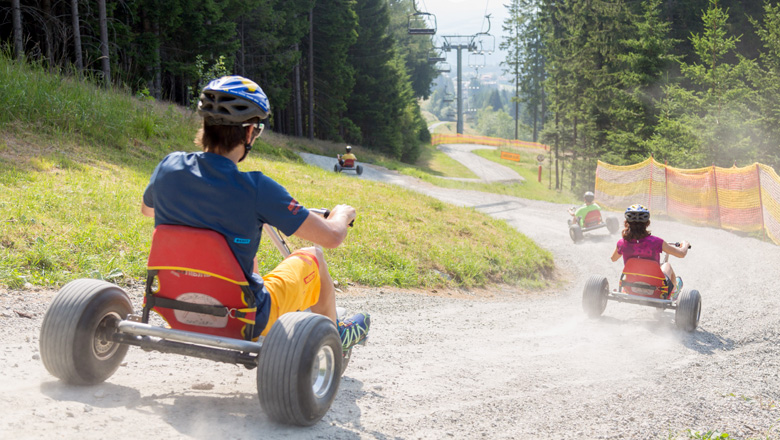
645 278
196 284
349 163
592 218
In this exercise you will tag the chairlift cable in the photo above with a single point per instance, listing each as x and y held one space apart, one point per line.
484 16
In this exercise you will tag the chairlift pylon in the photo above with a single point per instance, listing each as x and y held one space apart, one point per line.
421 23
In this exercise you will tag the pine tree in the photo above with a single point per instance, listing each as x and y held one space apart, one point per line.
714 117
767 79
646 57
412 48
382 103
335 31
525 62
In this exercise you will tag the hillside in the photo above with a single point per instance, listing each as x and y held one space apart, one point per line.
74 160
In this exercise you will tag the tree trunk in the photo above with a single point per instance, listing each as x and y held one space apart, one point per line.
157 89
74 10
311 74
242 54
297 98
17 18
47 32
106 62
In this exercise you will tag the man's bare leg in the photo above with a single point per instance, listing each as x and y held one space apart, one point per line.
327 303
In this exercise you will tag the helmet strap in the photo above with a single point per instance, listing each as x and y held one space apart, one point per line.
247 148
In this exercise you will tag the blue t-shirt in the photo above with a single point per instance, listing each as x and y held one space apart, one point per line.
206 190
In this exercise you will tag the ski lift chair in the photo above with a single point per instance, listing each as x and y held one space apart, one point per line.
421 23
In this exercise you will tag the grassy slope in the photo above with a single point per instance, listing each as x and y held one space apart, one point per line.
74 161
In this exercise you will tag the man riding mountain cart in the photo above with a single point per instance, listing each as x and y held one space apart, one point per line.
347 162
588 218
202 279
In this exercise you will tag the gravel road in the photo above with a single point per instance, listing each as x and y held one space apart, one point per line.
493 364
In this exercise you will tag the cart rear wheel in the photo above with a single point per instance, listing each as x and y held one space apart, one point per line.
300 368
337 168
575 232
594 296
359 170
75 338
612 225
688 312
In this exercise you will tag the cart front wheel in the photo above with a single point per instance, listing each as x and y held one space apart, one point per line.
612 225
575 232
595 296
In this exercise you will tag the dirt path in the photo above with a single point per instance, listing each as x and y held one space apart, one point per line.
500 364
487 170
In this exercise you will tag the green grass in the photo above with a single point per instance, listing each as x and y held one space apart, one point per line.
75 159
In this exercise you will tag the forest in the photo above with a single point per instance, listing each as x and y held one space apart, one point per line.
693 83
340 70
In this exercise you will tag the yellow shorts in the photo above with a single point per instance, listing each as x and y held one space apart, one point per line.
294 285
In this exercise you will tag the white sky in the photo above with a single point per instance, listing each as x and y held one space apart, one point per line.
466 17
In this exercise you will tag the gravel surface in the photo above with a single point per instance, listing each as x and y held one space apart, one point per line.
493 364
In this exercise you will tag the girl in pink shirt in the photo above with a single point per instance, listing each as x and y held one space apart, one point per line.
637 242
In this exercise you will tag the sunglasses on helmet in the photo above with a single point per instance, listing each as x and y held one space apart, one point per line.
258 125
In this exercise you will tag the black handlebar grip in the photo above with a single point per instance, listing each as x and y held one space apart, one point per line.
326 212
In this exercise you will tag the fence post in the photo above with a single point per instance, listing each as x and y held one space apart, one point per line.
760 198
666 185
717 198
650 195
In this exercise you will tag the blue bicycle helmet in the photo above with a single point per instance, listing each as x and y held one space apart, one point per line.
637 213
232 100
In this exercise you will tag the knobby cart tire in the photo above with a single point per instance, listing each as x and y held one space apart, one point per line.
612 225
337 168
688 312
359 170
75 339
299 369
575 232
595 296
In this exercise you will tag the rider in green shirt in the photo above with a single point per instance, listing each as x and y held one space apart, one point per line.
583 210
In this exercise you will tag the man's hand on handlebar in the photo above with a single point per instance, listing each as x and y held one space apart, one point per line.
345 211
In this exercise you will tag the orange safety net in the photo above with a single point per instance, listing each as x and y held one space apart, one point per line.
742 199
444 138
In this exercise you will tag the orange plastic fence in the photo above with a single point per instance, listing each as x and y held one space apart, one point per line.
455 138
510 156
741 199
